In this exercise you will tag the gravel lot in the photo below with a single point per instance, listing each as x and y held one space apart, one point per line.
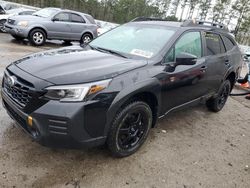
189 148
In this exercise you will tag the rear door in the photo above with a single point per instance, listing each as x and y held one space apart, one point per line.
77 25
184 83
59 28
217 60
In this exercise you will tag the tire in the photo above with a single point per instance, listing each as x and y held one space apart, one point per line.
216 104
37 37
17 37
2 27
86 38
129 129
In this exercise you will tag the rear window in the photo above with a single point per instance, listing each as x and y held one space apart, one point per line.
228 43
214 44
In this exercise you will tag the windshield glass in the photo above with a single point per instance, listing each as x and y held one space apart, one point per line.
140 40
46 12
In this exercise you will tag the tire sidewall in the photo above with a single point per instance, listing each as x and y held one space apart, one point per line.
32 40
113 136
83 36
226 83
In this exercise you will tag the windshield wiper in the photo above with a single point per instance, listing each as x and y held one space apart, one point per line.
107 50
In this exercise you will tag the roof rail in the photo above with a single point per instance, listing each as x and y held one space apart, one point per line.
212 25
143 19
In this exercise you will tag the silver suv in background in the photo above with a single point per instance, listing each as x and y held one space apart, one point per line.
53 23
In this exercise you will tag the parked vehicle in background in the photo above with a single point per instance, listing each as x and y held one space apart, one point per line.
53 23
105 26
14 12
115 88
4 7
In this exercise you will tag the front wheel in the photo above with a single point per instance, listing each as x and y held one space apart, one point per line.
2 26
86 38
37 37
217 103
130 129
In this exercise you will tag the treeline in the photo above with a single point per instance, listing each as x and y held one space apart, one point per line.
120 11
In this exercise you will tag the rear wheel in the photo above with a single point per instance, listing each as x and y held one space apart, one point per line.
216 104
130 129
37 37
86 38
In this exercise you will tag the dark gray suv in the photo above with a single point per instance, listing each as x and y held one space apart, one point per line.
53 23
114 89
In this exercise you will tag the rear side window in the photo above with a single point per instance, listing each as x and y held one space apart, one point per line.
76 18
214 44
90 18
62 17
188 43
228 43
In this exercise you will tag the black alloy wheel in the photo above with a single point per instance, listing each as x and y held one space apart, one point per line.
216 104
130 129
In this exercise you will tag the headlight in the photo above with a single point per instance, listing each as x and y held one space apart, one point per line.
74 93
22 23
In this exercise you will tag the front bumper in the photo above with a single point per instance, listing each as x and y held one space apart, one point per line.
17 30
56 124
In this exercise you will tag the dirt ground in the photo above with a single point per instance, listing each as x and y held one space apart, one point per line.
188 149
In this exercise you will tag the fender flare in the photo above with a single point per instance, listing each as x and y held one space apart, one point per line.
151 86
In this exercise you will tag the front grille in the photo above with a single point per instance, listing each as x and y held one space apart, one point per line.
20 90
15 116
10 21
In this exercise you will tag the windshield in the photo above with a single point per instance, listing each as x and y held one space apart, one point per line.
46 12
140 40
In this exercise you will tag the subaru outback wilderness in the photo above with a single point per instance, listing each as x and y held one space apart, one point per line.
112 90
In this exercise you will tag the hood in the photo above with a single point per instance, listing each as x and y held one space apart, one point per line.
76 65
27 18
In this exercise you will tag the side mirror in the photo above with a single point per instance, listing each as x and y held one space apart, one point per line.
185 59
55 19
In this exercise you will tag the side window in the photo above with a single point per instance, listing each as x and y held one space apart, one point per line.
214 44
90 18
228 43
188 43
76 18
62 17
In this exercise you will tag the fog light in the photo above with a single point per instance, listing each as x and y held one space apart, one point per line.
30 121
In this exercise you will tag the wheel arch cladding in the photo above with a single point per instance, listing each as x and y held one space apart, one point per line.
147 91
88 32
147 97
45 32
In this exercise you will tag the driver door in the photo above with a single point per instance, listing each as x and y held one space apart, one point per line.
184 83
59 27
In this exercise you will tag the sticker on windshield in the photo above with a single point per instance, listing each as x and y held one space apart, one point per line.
142 53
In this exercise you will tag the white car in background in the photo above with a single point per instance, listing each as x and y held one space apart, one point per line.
105 26
9 9
245 50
